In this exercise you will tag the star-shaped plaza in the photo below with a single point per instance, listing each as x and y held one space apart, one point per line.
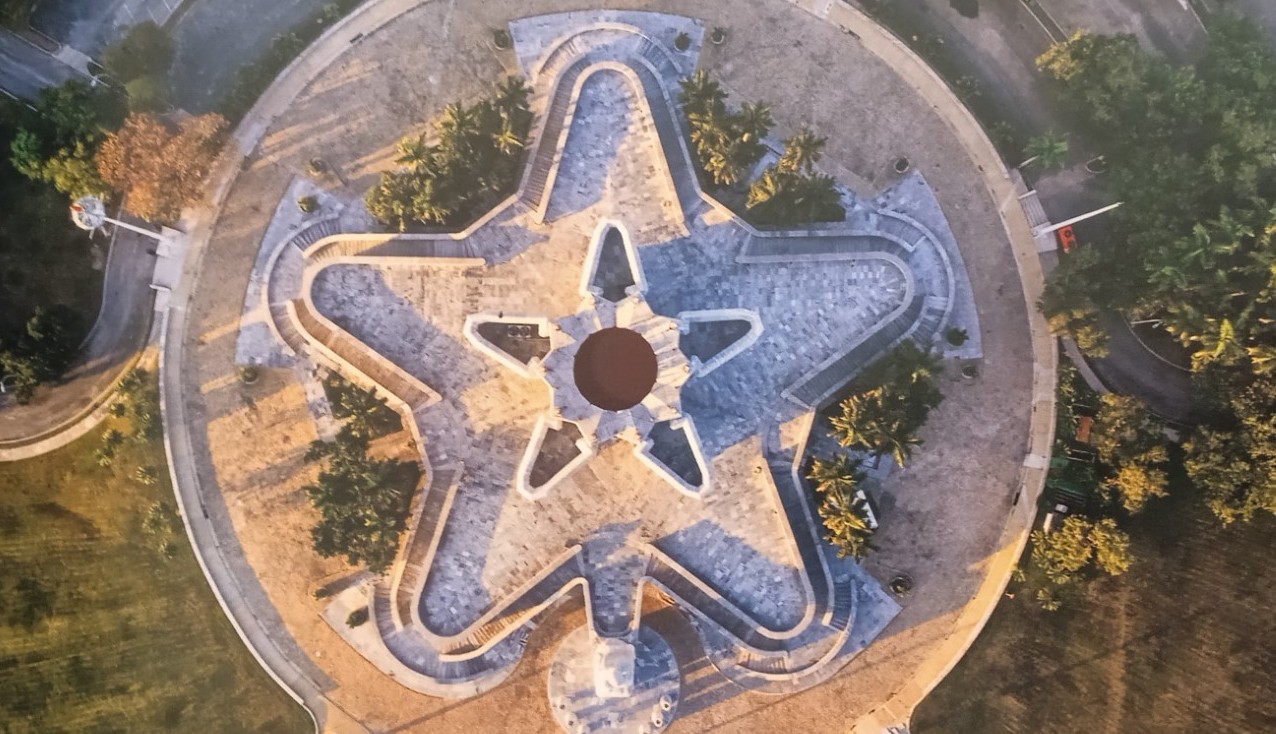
612 380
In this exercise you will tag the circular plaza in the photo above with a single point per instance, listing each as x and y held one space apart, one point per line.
610 380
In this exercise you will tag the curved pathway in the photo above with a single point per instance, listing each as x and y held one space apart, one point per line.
928 623
63 412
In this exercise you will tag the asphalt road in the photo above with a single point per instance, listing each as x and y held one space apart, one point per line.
25 69
90 25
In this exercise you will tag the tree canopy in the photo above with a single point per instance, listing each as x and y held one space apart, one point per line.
146 50
362 501
896 396
161 166
471 166
1192 154
842 510
42 351
727 145
57 142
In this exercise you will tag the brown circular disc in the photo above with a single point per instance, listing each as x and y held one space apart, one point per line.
615 368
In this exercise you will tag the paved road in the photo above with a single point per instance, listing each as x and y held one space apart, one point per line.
26 69
216 37
117 337
91 25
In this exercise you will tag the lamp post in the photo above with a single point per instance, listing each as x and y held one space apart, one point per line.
89 213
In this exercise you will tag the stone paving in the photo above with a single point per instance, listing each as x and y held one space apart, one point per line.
731 544
901 531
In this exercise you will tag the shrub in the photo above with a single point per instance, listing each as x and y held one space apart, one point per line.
307 204
357 617
682 42
956 336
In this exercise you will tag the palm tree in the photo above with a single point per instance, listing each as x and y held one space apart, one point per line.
769 187
512 95
846 524
802 152
508 139
1049 149
754 121
841 471
701 94
414 153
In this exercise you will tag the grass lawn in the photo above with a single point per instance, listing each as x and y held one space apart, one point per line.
106 623
1183 642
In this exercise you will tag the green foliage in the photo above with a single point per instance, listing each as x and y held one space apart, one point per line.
357 617
15 14
956 336
791 192
1062 557
843 512
43 350
363 502
307 204
1076 294
1132 443
147 93
56 144
727 144
146 50
1191 151
365 413
473 164
895 397
1049 149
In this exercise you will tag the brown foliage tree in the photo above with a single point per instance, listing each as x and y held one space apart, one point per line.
160 166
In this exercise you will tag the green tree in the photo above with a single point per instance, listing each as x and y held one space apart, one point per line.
57 142
1075 296
146 50
1135 484
700 93
471 166
843 512
1048 149
362 501
842 471
896 397
846 524
1061 556
802 152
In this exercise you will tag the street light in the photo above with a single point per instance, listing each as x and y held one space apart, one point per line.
89 213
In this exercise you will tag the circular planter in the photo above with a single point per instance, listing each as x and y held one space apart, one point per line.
317 167
969 371
718 37
501 39
901 585
249 375
902 165
682 42
1097 165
